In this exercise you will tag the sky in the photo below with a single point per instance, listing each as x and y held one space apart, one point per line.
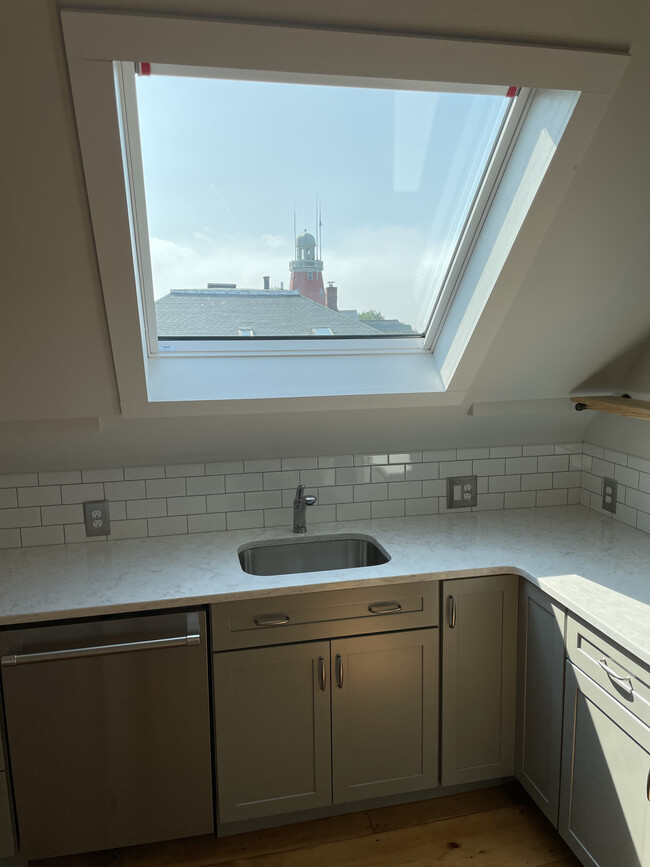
226 162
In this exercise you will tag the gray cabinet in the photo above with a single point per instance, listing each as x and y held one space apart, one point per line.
540 689
605 800
272 719
273 733
479 651
384 714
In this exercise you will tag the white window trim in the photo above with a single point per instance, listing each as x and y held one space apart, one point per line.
404 374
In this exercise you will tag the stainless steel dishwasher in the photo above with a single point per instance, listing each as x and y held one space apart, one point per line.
108 728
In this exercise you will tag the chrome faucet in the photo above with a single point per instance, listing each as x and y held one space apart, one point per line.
300 504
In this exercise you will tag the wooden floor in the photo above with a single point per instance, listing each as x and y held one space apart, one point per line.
498 826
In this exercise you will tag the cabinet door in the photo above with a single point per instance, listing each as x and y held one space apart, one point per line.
540 692
604 807
479 650
272 718
384 714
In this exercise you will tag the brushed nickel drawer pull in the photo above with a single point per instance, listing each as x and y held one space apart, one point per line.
339 671
622 680
384 607
272 620
452 612
323 673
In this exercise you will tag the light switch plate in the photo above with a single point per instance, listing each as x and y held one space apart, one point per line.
462 492
97 518
610 491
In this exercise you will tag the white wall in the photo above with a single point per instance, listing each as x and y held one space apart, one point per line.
583 304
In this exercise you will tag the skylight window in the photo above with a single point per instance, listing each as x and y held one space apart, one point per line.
373 192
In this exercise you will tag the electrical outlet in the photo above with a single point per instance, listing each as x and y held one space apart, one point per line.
97 518
610 490
461 492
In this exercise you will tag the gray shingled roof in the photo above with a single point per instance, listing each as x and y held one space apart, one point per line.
270 313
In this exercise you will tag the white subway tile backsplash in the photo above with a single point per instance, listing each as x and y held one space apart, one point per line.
263 500
165 488
131 473
489 467
167 526
316 478
186 506
521 465
67 477
10 538
353 476
31 536
81 493
367 460
352 511
552 498
225 502
553 464
245 520
263 466
222 467
115 475
205 485
18 480
388 508
279 481
129 529
153 508
9 498
206 523
455 468
45 508
404 490
627 476
335 461
390 473
440 455
124 490
174 471
10 518
45 495
299 463
472 454
366 493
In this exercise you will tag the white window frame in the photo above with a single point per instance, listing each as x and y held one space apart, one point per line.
391 372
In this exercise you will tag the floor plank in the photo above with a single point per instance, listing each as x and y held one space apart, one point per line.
496 827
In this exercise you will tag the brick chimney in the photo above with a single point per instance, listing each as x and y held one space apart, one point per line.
331 296
267 283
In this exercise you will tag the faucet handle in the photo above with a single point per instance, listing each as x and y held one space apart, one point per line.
309 501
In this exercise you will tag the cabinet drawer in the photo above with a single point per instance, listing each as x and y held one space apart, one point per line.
323 614
612 668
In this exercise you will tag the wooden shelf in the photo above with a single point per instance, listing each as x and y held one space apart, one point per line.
619 405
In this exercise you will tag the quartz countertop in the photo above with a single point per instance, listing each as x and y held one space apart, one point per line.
597 568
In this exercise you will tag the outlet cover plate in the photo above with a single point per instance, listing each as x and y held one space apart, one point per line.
610 491
97 518
462 492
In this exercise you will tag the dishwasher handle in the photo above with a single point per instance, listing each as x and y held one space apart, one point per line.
190 639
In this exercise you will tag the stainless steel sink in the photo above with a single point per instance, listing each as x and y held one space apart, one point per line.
318 554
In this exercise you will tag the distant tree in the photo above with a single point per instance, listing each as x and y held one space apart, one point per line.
371 314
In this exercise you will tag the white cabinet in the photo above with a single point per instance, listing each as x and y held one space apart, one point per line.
479 652
540 689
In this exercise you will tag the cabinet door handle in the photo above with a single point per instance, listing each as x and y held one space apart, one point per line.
272 620
622 680
384 607
322 673
339 671
647 788
452 612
